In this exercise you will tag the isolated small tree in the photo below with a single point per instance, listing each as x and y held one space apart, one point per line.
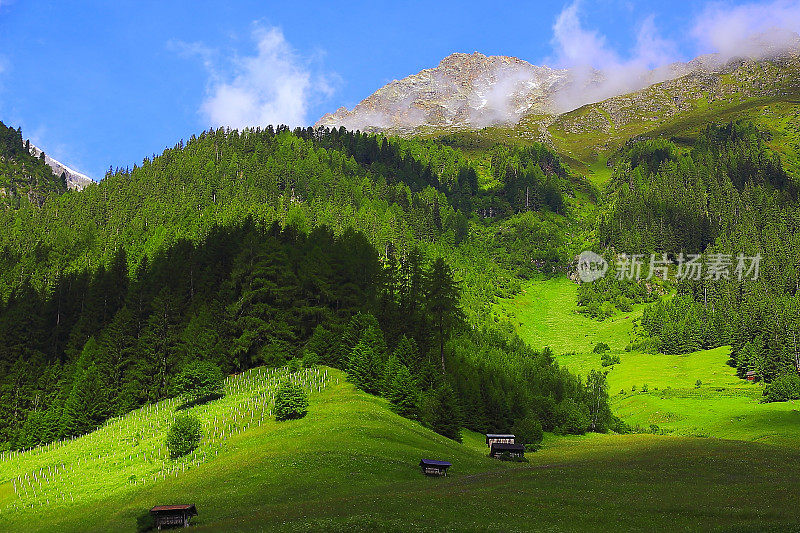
291 402
601 347
528 431
200 381
597 392
183 436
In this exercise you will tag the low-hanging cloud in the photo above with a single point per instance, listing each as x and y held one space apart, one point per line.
273 86
597 71
754 30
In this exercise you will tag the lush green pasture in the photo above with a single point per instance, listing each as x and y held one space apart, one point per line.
722 406
351 465
545 314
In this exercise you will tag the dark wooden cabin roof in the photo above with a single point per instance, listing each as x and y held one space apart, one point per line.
433 462
506 447
166 508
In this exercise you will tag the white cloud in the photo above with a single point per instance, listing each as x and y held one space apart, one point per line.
756 30
751 30
576 46
273 86
598 71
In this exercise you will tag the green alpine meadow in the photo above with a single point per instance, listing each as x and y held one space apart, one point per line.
490 296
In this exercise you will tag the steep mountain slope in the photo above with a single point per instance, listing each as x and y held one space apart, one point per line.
512 101
24 179
75 180
596 130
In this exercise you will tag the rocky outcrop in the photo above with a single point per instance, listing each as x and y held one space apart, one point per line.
472 91
464 90
75 180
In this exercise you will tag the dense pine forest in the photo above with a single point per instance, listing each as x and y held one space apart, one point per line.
726 194
376 255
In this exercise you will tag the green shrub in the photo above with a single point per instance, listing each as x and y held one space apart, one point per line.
785 387
624 304
528 430
698 384
183 436
572 418
601 347
291 402
608 360
200 381
310 359
295 365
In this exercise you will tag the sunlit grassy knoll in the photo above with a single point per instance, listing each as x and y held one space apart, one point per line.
545 314
721 405
350 465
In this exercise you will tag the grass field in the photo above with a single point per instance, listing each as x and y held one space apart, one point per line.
351 465
722 406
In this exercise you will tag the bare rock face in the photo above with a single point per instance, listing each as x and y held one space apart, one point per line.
472 91
75 180
465 90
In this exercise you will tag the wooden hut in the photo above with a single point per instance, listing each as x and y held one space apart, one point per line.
513 450
492 438
751 375
431 467
173 515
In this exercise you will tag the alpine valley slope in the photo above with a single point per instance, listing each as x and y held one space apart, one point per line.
351 464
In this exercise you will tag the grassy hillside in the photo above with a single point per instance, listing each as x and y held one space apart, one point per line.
351 464
766 92
723 406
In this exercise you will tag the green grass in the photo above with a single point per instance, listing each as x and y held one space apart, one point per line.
724 406
351 465
545 314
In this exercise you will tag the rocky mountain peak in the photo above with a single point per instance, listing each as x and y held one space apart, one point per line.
464 90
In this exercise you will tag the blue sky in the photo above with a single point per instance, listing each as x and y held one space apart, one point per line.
99 84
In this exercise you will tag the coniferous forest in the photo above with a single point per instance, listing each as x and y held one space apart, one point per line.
729 194
273 247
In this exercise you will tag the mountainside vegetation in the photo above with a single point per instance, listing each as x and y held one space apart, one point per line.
270 246
173 327
729 194
24 179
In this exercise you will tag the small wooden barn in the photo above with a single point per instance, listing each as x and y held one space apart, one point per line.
492 438
513 450
751 375
431 467
173 515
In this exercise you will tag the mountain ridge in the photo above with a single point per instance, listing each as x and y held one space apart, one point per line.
75 180
473 91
